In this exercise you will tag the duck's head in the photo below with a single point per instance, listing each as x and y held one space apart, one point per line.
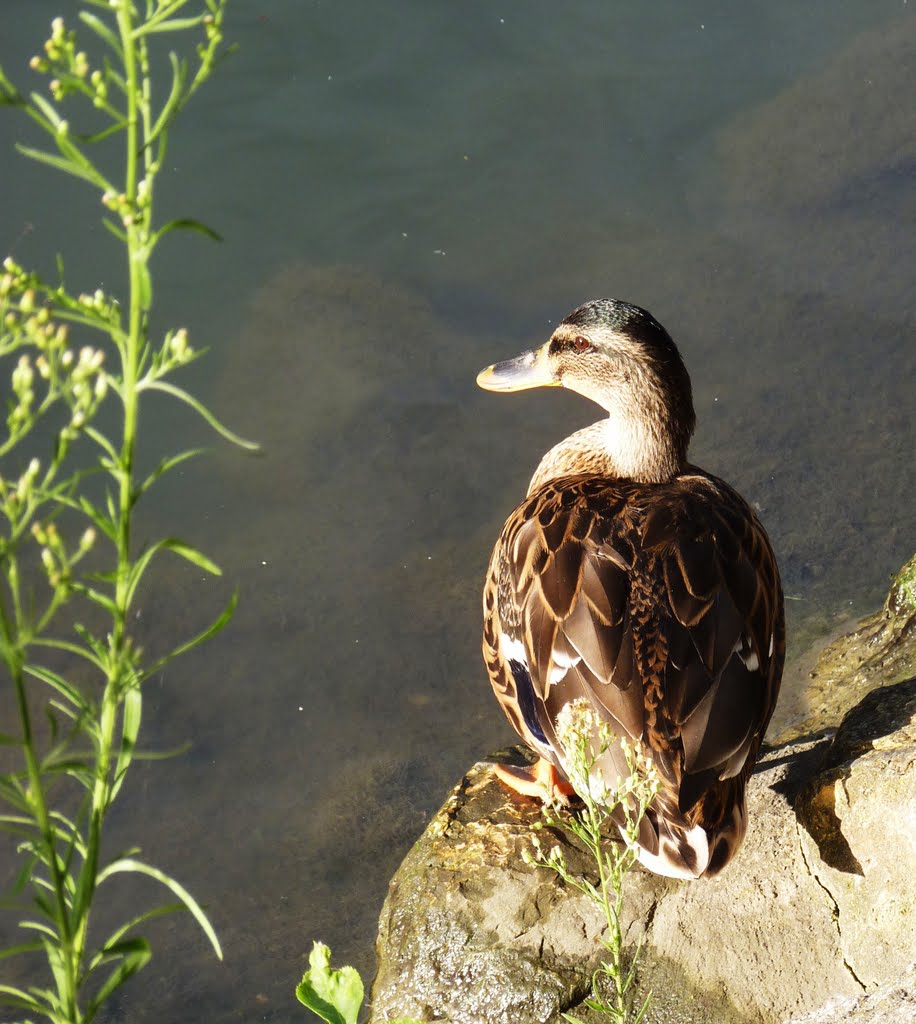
620 356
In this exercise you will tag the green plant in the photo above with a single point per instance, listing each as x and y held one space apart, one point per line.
70 569
336 995
622 807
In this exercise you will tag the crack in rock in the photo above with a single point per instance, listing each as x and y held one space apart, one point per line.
836 908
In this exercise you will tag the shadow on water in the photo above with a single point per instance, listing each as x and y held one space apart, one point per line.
330 719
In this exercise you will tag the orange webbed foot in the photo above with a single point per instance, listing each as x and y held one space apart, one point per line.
540 780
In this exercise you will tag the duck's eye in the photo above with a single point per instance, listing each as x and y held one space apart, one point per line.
581 344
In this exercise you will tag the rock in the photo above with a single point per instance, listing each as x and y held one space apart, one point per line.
880 651
859 838
815 910
890 1004
469 932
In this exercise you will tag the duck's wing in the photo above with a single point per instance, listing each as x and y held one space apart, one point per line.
659 604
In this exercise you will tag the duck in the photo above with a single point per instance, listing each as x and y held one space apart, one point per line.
639 583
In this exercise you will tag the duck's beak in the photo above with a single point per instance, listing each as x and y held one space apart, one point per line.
529 370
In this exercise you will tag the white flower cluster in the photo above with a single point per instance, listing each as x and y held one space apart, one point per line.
586 738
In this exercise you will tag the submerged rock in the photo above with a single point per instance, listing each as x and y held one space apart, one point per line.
882 650
817 910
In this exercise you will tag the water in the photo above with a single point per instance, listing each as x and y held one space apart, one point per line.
408 192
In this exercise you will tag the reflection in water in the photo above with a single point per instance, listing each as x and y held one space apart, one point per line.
549 160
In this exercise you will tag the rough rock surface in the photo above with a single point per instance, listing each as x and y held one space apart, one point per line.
882 650
816 911
890 1004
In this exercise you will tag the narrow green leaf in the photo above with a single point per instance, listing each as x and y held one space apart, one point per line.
22 831
129 864
200 409
186 224
97 597
94 644
112 129
173 102
64 164
172 25
168 544
11 996
58 683
146 284
165 465
113 229
131 714
189 645
117 935
92 655
14 796
335 995
192 555
103 32
136 953
48 110
26 947
38 926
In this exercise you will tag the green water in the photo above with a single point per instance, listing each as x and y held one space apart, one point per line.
408 192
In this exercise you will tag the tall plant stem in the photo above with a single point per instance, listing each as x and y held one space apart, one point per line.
611 903
117 668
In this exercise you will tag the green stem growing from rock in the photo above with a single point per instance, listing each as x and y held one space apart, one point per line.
616 808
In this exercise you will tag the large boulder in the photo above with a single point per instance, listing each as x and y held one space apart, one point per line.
816 911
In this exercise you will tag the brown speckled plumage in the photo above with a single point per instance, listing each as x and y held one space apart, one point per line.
653 595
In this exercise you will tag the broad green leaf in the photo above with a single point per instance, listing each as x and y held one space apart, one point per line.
335 995
129 864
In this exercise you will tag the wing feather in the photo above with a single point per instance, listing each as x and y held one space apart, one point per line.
660 604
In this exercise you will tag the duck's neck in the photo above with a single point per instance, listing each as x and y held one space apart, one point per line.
618 447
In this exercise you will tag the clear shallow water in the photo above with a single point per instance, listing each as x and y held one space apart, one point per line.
407 194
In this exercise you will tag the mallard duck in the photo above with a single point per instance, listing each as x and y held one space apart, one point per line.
635 581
